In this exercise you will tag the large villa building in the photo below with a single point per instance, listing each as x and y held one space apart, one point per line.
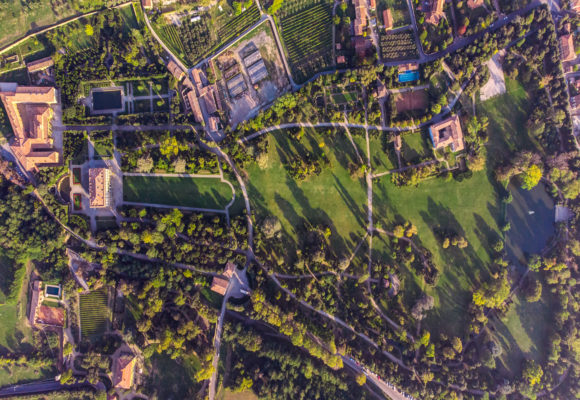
447 133
30 112
220 285
434 11
99 187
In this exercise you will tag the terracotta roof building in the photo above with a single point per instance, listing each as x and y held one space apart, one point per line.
99 187
29 110
39 314
388 19
340 60
567 47
408 67
575 5
474 3
175 70
220 285
447 133
373 4
360 21
40 65
124 371
147 3
435 11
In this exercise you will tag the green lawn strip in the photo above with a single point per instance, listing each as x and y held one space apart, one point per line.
508 116
470 208
18 374
332 199
176 191
523 333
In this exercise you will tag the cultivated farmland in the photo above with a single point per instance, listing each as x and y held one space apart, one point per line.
398 46
307 36
94 312
194 40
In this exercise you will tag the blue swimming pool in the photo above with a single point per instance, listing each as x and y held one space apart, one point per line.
409 76
53 290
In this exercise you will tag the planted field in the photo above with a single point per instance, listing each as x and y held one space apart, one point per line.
94 312
194 40
307 36
186 192
398 46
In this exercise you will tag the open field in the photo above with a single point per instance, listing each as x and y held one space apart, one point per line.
471 208
332 199
18 17
508 116
173 379
94 312
307 37
383 156
523 333
416 147
174 191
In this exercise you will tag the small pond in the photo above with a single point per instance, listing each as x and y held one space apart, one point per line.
531 216
107 100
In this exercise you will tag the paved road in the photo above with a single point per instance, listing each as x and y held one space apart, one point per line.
38 387
386 388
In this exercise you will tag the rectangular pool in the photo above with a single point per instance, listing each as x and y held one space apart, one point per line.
409 76
107 100
53 290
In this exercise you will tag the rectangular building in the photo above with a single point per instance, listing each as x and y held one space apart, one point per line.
99 187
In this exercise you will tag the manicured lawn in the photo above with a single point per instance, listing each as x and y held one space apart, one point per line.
186 192
523 332
173 379
415 147
332 199
142 106
471 208
383 156
94 312
508 116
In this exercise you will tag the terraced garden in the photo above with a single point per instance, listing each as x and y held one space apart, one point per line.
94 312
307 36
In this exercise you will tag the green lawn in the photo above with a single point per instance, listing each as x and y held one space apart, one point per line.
17 19
173 191
21 374
416 146
508 116
332 199
173 379
94 312
470 208
523 332
383 156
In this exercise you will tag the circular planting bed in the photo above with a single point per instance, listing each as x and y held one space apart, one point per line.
63 189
